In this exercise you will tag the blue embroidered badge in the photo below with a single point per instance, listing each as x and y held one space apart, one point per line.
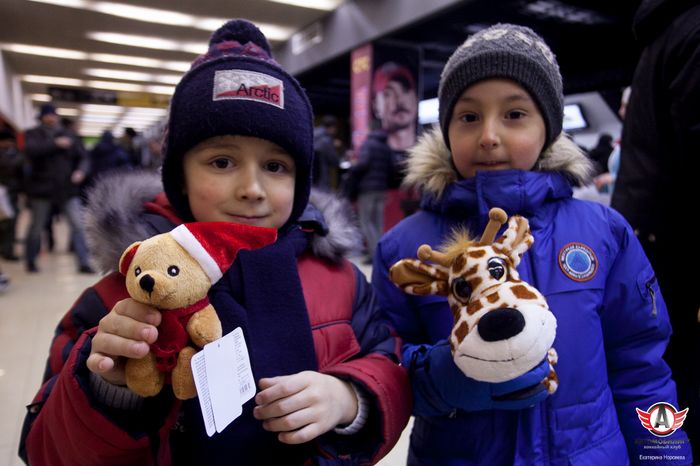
578 262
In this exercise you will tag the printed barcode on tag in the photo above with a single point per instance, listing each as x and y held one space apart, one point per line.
245 387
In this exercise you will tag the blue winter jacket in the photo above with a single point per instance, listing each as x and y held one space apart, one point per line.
612 325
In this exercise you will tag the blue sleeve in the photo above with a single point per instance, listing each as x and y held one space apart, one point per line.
372 330
636 332
401 312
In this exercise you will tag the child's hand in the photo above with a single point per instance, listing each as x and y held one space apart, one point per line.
305 405
125 332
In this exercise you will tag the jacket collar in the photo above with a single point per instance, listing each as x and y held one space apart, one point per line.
515 191
430 168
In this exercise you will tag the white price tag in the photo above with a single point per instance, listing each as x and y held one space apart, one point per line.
224 380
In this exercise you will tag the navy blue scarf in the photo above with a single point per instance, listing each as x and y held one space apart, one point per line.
262 294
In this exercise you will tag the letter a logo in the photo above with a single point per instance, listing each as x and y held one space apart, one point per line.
662 419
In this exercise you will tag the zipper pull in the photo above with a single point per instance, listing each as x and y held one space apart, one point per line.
650 288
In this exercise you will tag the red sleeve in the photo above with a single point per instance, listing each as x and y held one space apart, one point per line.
388 383
70 431
354 342
86 312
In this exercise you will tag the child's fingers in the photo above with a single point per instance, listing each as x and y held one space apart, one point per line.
279 387
99 363
280 407
303 435
126 327
290 422
115 345
137 311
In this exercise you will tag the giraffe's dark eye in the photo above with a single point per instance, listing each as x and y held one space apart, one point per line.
497 267
461 289
173 270
137 271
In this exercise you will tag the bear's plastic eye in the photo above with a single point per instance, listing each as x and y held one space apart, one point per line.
173 270
137 271
461 289
497 267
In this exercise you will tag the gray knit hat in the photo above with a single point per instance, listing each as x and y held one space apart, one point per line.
511 52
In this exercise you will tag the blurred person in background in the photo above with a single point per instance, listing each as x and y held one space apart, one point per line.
658 175
132 143
326 155
605 182
58 165
105 157
601 152
11 178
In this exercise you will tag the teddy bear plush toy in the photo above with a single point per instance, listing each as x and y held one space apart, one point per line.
502 325
173 272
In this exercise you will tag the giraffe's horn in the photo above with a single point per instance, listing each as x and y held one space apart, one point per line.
497 217
426 253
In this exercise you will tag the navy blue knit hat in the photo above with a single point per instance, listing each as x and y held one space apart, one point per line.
236 88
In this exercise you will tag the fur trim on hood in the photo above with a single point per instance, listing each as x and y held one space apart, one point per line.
430 169
114 219
344 237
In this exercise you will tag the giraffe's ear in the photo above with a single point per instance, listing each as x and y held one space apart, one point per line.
418 278
517 239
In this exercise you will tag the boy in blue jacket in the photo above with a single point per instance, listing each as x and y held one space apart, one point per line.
239 148
500 144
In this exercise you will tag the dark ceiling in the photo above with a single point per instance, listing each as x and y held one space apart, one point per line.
592 39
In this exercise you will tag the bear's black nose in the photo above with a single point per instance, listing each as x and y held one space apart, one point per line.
147 283
500 324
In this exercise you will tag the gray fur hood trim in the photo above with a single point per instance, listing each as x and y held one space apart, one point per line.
114 219
430 169
344 237
113 216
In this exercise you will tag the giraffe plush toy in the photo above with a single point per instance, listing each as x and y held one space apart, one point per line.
502 325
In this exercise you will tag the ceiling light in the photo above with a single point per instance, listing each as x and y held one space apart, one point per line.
165 90
33 78
134 40
326 5
175 18
69 3
98 118
45 51
558 10
68 111
118 74
149 15
133 75
140 61
115 86
146 111
102 108
101 57
41 97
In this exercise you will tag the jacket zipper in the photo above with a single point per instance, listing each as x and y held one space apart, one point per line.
542 408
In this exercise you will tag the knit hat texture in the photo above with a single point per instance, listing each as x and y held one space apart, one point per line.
511 52
237 88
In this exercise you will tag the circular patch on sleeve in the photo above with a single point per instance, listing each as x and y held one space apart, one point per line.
578 262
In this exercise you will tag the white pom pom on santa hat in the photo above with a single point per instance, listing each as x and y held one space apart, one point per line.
215 245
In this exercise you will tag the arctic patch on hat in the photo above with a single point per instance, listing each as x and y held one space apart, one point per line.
248 85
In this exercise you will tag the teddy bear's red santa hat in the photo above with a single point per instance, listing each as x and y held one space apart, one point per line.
215 245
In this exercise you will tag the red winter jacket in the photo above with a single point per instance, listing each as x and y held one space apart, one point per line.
65 425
